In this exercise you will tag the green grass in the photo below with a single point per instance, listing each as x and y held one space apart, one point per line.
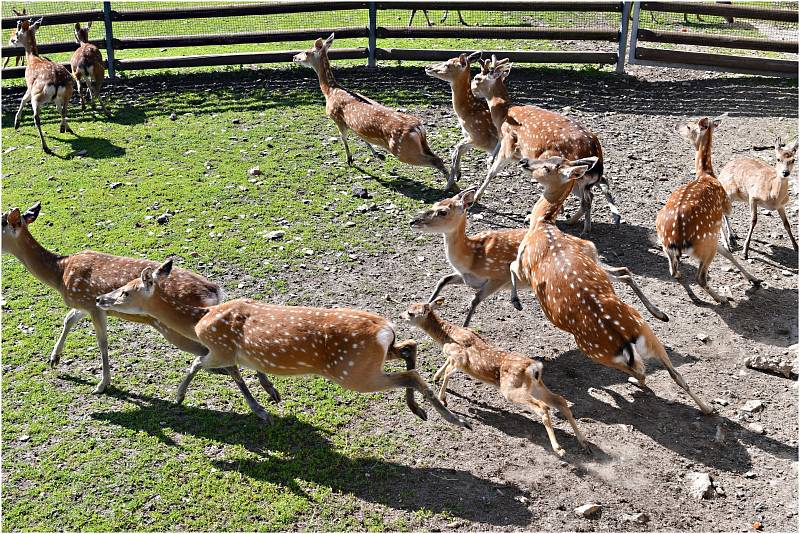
131 459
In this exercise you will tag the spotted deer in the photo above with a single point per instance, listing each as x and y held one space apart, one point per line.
472 112
575 293
46 81
518 377
348 347
87 67
12 41
482 261
753 181
401 134
79 278
441 21
532 132
690 221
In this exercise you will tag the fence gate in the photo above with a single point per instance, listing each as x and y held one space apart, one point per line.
734 37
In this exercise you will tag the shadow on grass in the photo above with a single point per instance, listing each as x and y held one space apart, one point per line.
95 147
291 450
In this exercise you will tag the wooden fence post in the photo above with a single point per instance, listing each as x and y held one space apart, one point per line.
623 36
634 32
109 40
373 34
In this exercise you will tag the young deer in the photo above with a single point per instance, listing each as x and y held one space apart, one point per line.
46 81
690 221
12 41
87 64
472 112
81 277
517 376
532 132
761 186
346 346
574 292
401 134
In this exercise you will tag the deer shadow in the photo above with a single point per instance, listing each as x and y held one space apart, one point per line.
290 450
405 186
95 147
751 317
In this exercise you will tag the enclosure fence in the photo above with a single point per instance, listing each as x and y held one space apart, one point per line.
157 35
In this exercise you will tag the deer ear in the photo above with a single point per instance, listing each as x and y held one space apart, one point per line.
778 143
164 270
462 58
703 123
793 146
14 217
89 25
32 213
37 24
468 198
574 172
318 43
147 276
77 26
329 41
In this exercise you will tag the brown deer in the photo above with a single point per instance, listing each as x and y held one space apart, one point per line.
46 81
472 112
80 278
12 41
690 221
482 261
401 134
348 347
761 186
517 376
441 21
87 65
532 132
575 293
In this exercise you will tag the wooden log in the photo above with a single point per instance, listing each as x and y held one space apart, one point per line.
498 32
68 17
723 10
508 6
242 10
50 48
722 41
756 65
519 56
245 58
172 41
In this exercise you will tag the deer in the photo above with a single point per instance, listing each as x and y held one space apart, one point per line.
518 377
79 278
441 21
46 81
753 181
472 112
12 41
482 261
87 64
532 132
690 221
574 292
401 134
347 346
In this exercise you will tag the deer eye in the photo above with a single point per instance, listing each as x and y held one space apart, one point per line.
124 293
441 213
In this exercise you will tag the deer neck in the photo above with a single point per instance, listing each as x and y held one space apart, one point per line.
463 99
499 104
702 158
31 50
437 328
325 75
455 242
548 205
178 317
39 261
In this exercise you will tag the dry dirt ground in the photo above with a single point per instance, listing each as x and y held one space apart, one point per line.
502 475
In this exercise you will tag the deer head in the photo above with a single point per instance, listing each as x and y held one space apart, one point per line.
133 297
15 227
313 57
556 173
82 34
452 69
493 72
446 215
785 155
25 35
418 313
698 131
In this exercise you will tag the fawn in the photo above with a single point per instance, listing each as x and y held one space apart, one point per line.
532 132
753 181
401 134
574 292
482 261
690 221
46 81
81 277
346 346
517 376
472 112
87 63
12 41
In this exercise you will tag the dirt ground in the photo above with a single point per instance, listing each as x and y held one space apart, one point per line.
503 475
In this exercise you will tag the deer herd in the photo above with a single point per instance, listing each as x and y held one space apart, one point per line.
350 347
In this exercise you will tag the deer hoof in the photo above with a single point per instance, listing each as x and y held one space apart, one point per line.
517 304
615 220
54 359
464 424
559 452
47 150
101 387
264 416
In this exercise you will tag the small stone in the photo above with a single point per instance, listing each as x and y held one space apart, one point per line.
703 337
163 218
173 117
275 235
640 518
81 152
23 437
755 427
114 185
749 474
236 121
360 192
420 259
721 402
255 171
752 406
700 486
308 252
587 510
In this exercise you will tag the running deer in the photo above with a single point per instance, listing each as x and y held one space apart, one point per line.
472 112
574 291
761 186
46 81
87 67
518 377
482 261
690 221
348 347
80 278
532 132
401 134
12 41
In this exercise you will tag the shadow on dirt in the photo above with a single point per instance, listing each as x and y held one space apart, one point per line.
290 450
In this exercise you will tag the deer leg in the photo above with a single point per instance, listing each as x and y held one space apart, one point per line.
727 233
100 320
70 321
455 160
702 279
454 278
622 274
411 20
343 134
489 288
461 18
543 411
445 380
374 151
7 61
25 99
197 364
95 90
251 401
407 351
500 162
427 19
62 107
753 220
787 226
80 88
37 120
674 258
444 17
269 387
722 251
540 391
441 371
514 279
579 191
616 216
